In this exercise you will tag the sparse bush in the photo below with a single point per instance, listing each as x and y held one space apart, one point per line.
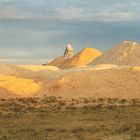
135 102
101 100
122 101
57 118
86 100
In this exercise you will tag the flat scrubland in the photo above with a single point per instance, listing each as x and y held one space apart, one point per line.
56 118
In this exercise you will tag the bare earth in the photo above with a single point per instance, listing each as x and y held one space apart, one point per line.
97 103
100 101
98 81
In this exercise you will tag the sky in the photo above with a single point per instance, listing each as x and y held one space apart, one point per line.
35 31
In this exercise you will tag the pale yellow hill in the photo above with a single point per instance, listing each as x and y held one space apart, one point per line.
104 67
135 68
39 68
19 86
9 69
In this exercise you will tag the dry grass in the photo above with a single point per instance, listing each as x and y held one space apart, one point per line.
52 118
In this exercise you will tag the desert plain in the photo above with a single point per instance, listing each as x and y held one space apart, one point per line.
91 96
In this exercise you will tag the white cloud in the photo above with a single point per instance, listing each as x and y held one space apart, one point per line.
107 10
78 14
115 16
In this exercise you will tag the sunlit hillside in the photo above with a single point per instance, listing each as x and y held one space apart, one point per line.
19 86
39 67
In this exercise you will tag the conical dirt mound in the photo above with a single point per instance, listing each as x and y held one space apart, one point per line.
83 58
126 53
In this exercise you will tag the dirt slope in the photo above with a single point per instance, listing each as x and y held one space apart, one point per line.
135 68
112 83
19 86
98 81
126 53
58 62
83 58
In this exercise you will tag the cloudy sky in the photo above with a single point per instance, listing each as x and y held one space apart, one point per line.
38 30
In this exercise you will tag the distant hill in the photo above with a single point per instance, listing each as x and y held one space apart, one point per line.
9 69
83 58
126 53
56 62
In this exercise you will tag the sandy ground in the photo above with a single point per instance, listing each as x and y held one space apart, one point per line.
100 81
114 83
